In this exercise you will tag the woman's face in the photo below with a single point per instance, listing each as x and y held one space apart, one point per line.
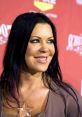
40 49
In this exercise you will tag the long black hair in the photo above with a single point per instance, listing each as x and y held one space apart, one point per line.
14 58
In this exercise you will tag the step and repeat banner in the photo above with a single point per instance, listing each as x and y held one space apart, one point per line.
67 16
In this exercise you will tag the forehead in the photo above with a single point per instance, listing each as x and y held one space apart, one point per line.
42 29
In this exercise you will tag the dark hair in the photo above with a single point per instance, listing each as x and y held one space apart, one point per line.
14 58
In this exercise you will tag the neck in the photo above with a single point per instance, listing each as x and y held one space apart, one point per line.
30 80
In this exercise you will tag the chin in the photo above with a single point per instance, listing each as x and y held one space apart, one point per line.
42 69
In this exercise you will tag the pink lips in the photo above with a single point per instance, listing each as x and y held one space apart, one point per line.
41 59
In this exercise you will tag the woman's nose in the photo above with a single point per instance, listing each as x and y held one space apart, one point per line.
44 47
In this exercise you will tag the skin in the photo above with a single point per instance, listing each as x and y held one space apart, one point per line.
39 53
40 48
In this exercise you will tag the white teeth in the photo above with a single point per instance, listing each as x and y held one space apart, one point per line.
41 59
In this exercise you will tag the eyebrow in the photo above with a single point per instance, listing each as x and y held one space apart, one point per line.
40 37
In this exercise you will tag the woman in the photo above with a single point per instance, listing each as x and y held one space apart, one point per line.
31 82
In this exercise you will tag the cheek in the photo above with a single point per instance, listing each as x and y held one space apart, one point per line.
31 50
53 50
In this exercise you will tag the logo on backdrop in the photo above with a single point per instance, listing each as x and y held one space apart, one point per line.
79 2
44 5
75 43
4 32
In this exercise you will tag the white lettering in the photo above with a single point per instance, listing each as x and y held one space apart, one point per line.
70 42
79 2
81 87
4 30
2 41
77 40
52 15
0 31
48 1
4 33
75 43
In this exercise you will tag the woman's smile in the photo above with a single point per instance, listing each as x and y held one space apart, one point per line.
42 59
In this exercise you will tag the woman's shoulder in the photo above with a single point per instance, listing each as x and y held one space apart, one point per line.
66 90
70 97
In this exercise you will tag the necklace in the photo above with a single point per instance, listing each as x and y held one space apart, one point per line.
24 111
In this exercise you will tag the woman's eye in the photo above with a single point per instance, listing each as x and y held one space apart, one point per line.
51 41
34 41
